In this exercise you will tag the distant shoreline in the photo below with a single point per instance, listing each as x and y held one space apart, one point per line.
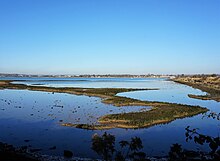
169 76
209 84
87 76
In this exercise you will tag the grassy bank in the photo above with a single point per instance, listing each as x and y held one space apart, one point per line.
160 113
209 84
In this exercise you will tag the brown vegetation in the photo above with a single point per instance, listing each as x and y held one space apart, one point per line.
206 83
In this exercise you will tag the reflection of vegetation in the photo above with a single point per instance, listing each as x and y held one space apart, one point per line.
131 150
105 147
177 153
161 112
213 142
207 83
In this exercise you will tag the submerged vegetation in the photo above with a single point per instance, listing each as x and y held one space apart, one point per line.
206 83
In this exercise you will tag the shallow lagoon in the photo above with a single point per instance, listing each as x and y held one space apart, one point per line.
36 116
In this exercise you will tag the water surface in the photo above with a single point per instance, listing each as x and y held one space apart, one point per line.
36 116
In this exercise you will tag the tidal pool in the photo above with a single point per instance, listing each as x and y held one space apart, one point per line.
33 118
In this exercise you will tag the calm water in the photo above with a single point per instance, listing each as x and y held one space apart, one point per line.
94 82
36 116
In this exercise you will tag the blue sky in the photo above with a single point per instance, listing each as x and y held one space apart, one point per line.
109 36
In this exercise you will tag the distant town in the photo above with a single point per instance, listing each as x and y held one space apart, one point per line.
101 76
88 76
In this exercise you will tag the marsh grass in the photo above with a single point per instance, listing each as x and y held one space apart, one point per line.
161 112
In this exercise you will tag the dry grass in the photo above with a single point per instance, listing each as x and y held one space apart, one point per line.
209 84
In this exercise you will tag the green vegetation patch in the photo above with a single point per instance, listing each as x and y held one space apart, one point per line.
163 113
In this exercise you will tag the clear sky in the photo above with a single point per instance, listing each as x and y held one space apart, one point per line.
109 36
